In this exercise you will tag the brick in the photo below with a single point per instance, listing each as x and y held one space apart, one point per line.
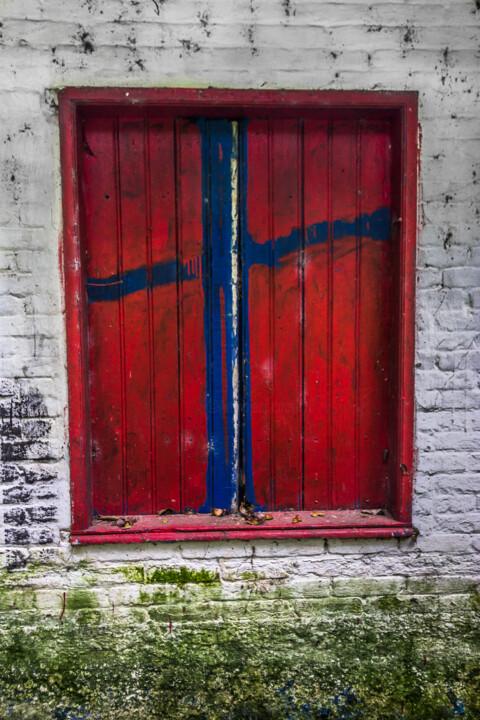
461 277
466 522
455 502
362 546
364 587
206 551
440 585
439 543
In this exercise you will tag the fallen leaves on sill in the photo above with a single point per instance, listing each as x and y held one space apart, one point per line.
268 517
120 521
373 511
251 517
297 519
318 514
218 512
255 520
166 511
164 521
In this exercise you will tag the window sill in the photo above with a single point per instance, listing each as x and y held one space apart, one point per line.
204 528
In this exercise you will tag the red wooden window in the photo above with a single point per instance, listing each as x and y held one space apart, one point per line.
239 294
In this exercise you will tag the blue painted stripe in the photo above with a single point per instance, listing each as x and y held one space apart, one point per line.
217 150
375 226
109 288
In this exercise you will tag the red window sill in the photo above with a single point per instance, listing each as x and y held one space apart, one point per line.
174 528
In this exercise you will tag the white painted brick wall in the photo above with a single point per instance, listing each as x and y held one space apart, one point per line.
431 46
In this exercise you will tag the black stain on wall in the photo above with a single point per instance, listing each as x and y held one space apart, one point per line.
86 41
288 8
204 18
157 4
190 46
26 471
251 39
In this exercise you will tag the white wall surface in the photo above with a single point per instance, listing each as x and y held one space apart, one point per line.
431 46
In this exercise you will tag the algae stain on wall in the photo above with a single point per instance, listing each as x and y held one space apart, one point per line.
380 664
168 575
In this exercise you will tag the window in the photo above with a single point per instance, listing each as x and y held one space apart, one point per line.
239 298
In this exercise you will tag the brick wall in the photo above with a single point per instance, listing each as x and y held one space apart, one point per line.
431 47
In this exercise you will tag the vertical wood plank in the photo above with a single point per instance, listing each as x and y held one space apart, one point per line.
257 294
165 314
192 263
316 391
344 278
100 223
137 341
374 316
287 309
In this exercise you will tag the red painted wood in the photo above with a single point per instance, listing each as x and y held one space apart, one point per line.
402 465
284 534
260 311
403 108
71 252
101 202
166 417
287 317
241 103
343 289
136 315
316 315
194 445
204 527
373 317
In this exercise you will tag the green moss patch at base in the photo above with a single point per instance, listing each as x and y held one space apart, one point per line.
381 664
172 576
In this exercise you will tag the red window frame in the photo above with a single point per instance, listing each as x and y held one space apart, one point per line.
402 107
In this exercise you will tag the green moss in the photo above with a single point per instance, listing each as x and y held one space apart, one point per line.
79 598
388 602
88 617
172 576
182 576
250 575
133 573
475 601
247 660
21 599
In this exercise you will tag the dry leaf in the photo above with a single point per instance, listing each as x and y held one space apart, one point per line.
268 517
374 511
120 522
246 509
255 520
166 511
317 514
127 525
218 512
297 519
164 521
189 511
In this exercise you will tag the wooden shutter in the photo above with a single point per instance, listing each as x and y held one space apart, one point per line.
317 286
238 284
